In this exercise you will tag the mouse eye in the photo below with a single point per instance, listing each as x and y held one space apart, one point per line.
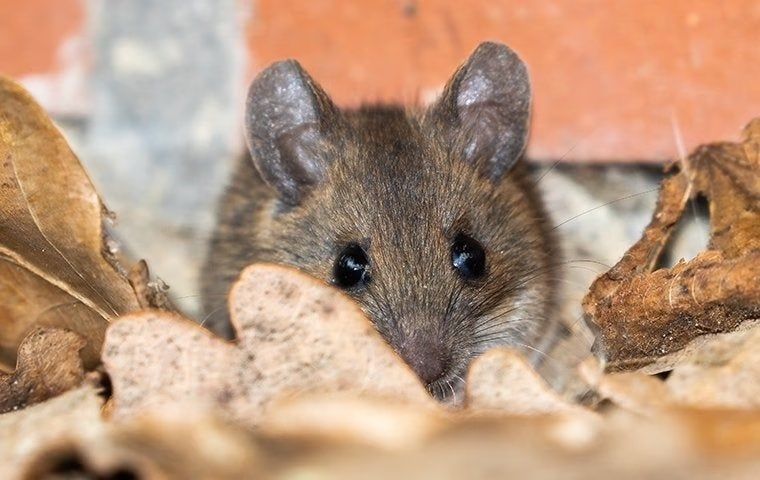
351 267
468 257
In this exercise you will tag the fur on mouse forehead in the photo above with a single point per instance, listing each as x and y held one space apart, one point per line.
295 132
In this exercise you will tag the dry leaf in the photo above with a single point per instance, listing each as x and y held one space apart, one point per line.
724 372
295 335
352 419
48 365
66 437
502 380
640 314
26 432
29 300
168 443
53 246
633 391
683 445
728 174
714 371
149 293
176 443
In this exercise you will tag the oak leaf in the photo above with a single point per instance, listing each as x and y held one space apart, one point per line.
501 380
56 263
295 335
26 432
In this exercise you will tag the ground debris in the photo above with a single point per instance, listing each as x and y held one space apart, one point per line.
642 314
166 443
55 268
149 293
502 381
27 431
722 371
171 442
48 364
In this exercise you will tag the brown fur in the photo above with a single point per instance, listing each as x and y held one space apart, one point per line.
397 187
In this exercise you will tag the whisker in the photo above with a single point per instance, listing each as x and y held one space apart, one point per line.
585 260
210 314
551 167
451 387
627 197
564 156
587 334
531 348
198 295
504 334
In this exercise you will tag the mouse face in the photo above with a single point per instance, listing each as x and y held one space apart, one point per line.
424 218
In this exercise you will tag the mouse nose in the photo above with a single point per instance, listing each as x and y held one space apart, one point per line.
425 356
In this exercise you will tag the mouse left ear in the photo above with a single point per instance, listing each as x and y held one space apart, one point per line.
484 111
290 125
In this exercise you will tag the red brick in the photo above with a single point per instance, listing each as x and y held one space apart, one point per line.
610 77
31 32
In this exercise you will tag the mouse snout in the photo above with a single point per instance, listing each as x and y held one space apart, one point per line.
426 357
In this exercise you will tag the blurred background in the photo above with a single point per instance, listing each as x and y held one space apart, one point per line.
150 94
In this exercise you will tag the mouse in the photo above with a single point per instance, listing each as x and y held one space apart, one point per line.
427 217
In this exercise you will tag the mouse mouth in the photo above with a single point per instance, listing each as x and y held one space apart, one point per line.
449 388
440 369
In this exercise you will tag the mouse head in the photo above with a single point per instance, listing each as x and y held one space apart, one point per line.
424 219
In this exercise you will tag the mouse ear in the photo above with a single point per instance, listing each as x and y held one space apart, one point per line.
485 109
288 121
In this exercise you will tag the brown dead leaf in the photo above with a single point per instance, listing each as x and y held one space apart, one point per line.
344 437
295 335
150 293
352 419
55 261
723 372
501 380
728 174
719 372
65 437
29 300
179 443
640 314
633 391
25 432
682 445
165 444
48 365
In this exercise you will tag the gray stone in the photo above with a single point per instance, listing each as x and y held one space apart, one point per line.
165 123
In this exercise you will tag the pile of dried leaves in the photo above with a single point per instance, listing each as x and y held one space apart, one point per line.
103 379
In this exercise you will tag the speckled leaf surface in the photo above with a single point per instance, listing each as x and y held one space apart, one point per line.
502 380
294 335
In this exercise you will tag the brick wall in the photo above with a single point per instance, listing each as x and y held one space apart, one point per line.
42 42
611 78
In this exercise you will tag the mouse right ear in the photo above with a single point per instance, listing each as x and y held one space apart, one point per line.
288 121
484 110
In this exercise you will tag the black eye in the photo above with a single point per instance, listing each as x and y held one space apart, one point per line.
468 257
351 267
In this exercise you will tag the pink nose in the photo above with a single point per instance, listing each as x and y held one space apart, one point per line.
425 356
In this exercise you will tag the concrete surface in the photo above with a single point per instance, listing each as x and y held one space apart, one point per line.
160 138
